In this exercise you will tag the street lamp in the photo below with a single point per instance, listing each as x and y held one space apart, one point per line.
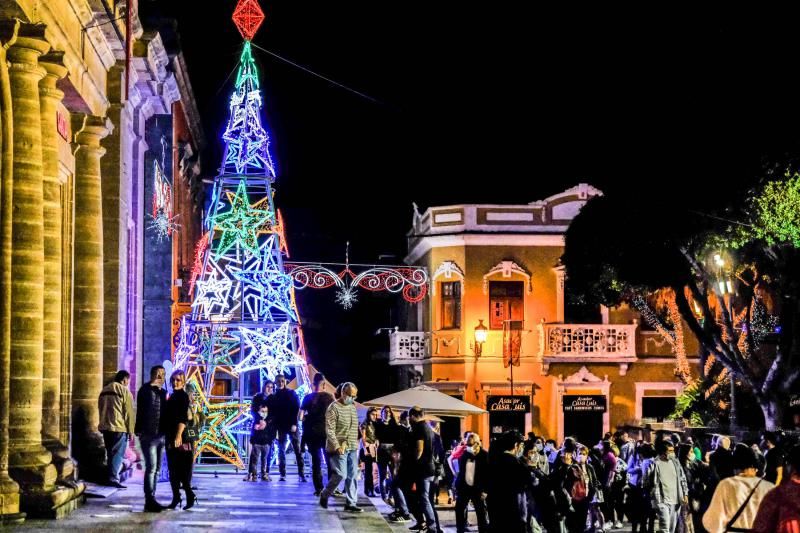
481 332
726 293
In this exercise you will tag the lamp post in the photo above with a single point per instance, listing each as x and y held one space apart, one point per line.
725 290
481 332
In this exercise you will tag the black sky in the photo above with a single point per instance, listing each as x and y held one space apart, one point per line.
493 102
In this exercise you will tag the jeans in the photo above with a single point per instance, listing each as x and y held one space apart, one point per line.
423 495
399 491
295 440
259 453
343 466
667 515
152 449
116 444
465 495
317 449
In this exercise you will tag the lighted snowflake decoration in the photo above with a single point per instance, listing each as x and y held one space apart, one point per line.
163 225
346 297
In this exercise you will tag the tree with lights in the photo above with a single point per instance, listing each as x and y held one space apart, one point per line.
734 279
244 318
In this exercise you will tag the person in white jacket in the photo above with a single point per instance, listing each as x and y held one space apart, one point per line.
736 500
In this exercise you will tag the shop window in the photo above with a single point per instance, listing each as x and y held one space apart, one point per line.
451 305
506 302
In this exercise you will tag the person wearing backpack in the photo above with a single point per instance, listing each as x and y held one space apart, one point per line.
577 483
667 487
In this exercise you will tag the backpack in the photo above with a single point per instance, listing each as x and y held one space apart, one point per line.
621 471
578 491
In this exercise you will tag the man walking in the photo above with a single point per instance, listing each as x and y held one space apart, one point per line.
472 484
341 431
116 423
312 415
668 488
285 404
151 400
424 468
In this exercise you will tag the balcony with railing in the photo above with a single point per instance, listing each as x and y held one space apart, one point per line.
408 347
587 343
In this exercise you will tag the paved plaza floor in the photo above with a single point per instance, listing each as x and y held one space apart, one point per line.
225 503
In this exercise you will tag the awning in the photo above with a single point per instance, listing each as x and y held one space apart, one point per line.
429 399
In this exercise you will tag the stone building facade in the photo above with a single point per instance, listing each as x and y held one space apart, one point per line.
79 81
497 267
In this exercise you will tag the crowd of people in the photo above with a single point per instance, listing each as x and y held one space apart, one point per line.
666 484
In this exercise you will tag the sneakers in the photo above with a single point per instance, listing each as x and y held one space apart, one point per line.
338 494
283 478
399 518
250 477
607 526
303 478
323 501
117 484
264 477
353 509
618 524
317 492
418 527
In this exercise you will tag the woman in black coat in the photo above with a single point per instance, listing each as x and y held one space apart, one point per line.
180 447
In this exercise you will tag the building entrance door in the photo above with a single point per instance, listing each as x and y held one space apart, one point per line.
583 417
586 427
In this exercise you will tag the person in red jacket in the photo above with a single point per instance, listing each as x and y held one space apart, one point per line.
779 511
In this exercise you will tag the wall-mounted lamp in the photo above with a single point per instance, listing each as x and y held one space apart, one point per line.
481 332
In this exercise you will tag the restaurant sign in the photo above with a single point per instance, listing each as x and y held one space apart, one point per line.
585 404
508 404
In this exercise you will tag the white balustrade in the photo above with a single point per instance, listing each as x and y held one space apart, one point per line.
587 340
408 347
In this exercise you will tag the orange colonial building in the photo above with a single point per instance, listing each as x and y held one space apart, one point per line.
497 266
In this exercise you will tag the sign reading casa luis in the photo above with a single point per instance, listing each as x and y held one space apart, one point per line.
585 404
508 404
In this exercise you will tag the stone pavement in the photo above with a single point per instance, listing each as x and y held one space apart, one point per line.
228 503
225 503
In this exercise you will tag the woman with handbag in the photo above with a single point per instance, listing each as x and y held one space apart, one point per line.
181 434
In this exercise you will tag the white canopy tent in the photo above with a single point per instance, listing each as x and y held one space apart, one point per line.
429 399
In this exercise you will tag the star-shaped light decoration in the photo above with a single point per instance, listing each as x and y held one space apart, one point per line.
273 352
242 223
211 292
218 421
215 350
248 17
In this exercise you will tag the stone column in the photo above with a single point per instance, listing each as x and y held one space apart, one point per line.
115 168
87 358
29 460
49 98
9 489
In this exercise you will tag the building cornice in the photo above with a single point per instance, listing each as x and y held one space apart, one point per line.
425 244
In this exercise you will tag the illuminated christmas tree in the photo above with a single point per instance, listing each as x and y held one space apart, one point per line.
244 325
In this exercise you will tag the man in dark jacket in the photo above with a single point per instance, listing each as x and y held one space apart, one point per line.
285 405
471 484
312 414
508 481
151 400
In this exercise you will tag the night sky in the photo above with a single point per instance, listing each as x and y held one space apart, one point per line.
489 102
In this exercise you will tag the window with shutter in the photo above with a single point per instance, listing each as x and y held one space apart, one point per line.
506 302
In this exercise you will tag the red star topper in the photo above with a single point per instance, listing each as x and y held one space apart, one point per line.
248 17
